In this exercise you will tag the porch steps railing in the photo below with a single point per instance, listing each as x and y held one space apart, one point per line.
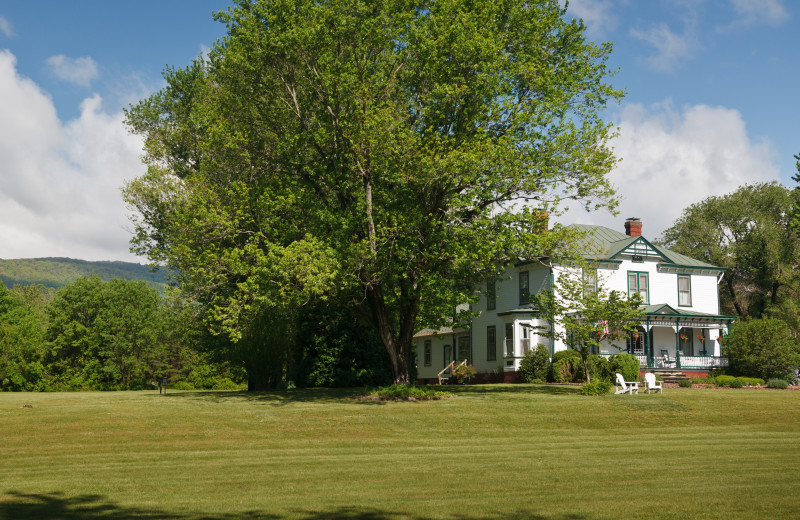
452 366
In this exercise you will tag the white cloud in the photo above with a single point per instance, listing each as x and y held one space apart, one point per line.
673 158
598 15
79 71
5 27
751 12
671 48
60 181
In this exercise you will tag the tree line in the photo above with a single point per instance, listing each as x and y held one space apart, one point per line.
122 334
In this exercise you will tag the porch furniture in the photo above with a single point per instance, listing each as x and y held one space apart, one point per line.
623 386
650 383
665 359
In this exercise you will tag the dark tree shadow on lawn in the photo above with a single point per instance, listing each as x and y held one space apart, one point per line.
340 395
56 506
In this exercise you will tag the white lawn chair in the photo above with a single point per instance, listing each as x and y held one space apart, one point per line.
624 387
650 383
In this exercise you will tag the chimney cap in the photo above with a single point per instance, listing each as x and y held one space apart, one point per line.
632 219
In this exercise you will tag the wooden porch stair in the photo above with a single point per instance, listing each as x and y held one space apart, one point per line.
670 376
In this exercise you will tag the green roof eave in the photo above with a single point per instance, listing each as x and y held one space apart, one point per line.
695 267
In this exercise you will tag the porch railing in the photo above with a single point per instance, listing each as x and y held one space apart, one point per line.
702 361
682 361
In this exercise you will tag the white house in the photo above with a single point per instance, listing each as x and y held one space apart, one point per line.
679 328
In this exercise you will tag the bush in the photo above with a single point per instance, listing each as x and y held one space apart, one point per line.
685 383
704 380
566 354
724 380
182 385
406 391
598 387
464 372
563 371
225 383
535 364
762 347
625 364
600 369
777 383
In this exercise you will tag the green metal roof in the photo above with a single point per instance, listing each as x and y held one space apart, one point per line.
602 243
663 310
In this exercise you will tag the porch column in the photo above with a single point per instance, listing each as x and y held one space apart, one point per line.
648 351
677 343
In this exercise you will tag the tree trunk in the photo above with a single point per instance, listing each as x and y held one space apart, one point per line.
736 305
398 347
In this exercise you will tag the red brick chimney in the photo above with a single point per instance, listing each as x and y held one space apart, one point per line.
633 227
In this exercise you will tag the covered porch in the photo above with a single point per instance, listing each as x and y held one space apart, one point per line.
675 339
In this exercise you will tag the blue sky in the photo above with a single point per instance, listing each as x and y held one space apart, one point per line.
711 104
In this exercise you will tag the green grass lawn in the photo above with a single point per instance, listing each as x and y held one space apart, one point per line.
495 451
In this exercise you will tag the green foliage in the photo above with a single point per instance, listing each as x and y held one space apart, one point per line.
535 365
685 383
58 272
586 315
748 233
625 364
778 383
406 391
762 347
598 387
365 153
182 385
22 350
463 373
566 354
339 350
600 369
736 383
563 370
725 380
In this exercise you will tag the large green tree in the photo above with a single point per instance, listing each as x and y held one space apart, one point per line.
383 154
104 334
748 232
22 349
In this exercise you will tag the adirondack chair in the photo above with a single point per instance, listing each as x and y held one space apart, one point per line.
624 387
650 383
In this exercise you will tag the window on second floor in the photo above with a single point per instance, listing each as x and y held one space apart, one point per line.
491 295
524 288
589 281
684 290
637 283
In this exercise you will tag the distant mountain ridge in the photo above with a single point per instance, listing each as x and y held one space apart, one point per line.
58 272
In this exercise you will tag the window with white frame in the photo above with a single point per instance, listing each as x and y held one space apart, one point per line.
589 281
684 290
509 340
638 283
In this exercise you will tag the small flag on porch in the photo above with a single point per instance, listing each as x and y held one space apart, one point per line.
604 323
